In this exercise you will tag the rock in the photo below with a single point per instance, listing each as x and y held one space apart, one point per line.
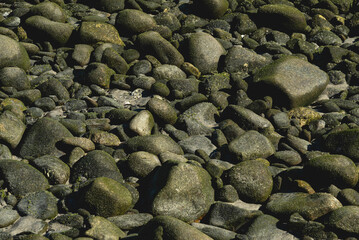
183 87
295 72
47 30
325 37
230 217
41 205
251 145
75 126
240 59
171 188
348 196
109 6
114 60
211 8
215 232
13 54
14 77
94 32
265 227
54 87
105 138
49 10
252 180
142 123
11 129
130 221
282 17
142 163
345 219
8 217
21 178
132 21
333 169
196 142
155 144
101 228
41 138
53 168
84 143
215 83
99 74
106 197
151 42
162 110
199 119
344 142
310 206
287 157
162 226
204 51
82 54
96 164
5 152
28 224
166 72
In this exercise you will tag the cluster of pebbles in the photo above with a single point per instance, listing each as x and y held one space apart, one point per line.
178 120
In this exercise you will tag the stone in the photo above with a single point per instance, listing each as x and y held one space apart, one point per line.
14 77
13 54
94 32
345 219
84 143
54 87
282 17
56 171
310 206
142 123
8 217
99 74
96 163
230 217
49 10
332 169
21 178
199 119
105 138
252 180
282 78
42 205
215 232
101 228
57 33
204 51
5 152
130 221
132 21
28 224
171 190
343 142
82 53
266 227
155 144
251 145
211 8
162 110
42 137
11 128
196 142
166 72
115 61
162 226
109 6
153 43
348 196
142 163
325 37
106 197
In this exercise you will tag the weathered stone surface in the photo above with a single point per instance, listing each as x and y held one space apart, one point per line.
101 228
11 128
132 21
344 142
13 54
94 32
345 219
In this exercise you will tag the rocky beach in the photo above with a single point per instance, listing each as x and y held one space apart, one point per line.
179 119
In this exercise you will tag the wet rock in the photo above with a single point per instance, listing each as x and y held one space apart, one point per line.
12 54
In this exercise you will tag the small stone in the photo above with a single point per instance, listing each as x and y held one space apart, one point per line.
105 138
344 142
84 143
8 217
14 77
99 73
28 224
132 21
345 219
215 232
12 54
82 54
130 221
100 227
196 142
11 128
142 163
162 110
142 123
211 8
348 196
94 32
53 168
166 72
49 10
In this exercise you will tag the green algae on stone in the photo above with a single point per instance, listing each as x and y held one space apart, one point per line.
99 73
344 142
13 54
101 228
94 32
11 129
132 21
304 114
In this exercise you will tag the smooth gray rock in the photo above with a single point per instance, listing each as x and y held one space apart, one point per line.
100 227
155 144
204 52
142 123
167 227
251 145
142 163
8 217
41 138
211 8
49 10
130 221
344 142
109 6
28 224
310 206
348 196
196 142
345 219
11 129
14 77
291 82
5 152
252 180
42 205
13 54
21 178
53 168
94 32
82 53
132 21
215 232
166 72
153 43
162 110
96 163
180 190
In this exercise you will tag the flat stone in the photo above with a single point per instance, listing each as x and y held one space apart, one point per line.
166 72
105 138
282 78
215 232
28 224
100 227
130 221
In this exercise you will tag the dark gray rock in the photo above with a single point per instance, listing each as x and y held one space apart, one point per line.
99 74
56 171
21 178
41 205
13 54
282 79
344 142
251 145
114 60
142 163
109 6
95 164
325 37
196 142
8 217
162 226
310 206
162 110
14 77
166 72
345 219
211 8
130 221
204 51
54 87
287 157
252 180
178 186
82 53
41 138
348 196
132 21
183 87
